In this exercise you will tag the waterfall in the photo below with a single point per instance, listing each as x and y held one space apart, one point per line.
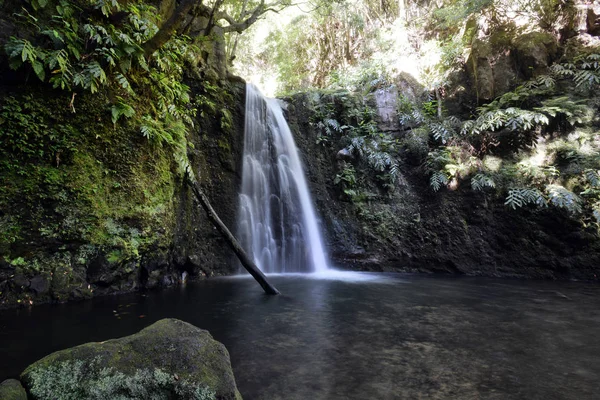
277 225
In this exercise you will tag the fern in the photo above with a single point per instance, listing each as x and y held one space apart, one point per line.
593 177
97 54
442 131
587 78
481 181
411 117
437 180
574 111
510 111
596 211
512 118
563 198
523 196
331 125
121 109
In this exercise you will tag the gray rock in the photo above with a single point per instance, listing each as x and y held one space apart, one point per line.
39 284
410 88
491 66
593 21
344 155
386 100
534 52
189 356
21 280
11 389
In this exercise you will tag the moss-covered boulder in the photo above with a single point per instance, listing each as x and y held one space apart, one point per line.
491 66
11 389
170 359
534 52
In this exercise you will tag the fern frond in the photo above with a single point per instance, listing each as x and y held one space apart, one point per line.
596 211
564 198
518 197
437 180
593 177
587 78
480 181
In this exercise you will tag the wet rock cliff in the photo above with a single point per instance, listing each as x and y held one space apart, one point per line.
413 228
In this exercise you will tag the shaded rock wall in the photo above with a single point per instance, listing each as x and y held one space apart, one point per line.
414 229
114 214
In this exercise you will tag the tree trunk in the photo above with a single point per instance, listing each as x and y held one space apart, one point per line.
170 26
438 97
237 35
231 240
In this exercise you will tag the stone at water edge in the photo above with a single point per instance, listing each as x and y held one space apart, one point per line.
11 389
175 347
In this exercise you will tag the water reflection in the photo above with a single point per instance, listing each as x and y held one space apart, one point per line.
357 336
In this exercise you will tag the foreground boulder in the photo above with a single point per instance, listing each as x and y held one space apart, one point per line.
11 389
170 359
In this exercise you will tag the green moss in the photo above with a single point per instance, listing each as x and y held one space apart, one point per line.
78 180
175 347
76 379
11 389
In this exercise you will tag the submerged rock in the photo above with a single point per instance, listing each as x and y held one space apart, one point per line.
11 389
170 359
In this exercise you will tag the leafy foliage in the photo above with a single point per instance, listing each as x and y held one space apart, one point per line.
348 181
27 134
327 127
70 380
481 181
513 123
438 180
563 198
596 212
593 177
523 196
337 39
96 55
375 148
447 163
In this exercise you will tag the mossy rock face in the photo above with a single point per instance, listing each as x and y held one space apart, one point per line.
111 214
535 51
187 354
491 67
11 389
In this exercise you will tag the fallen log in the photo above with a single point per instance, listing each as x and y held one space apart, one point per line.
229 238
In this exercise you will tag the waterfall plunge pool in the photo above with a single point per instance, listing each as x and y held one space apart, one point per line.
356 335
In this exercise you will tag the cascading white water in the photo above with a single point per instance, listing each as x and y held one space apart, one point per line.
276 220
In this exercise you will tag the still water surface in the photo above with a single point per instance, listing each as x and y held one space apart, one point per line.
357 336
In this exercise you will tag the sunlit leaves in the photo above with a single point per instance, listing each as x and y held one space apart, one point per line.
587 78
593 177
512 118
563 198
481 181
520 197
438 180
98 54
596 211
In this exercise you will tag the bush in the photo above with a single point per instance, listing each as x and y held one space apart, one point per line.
76 380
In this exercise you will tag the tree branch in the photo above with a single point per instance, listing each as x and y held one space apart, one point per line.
171 25
262 8
197 8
